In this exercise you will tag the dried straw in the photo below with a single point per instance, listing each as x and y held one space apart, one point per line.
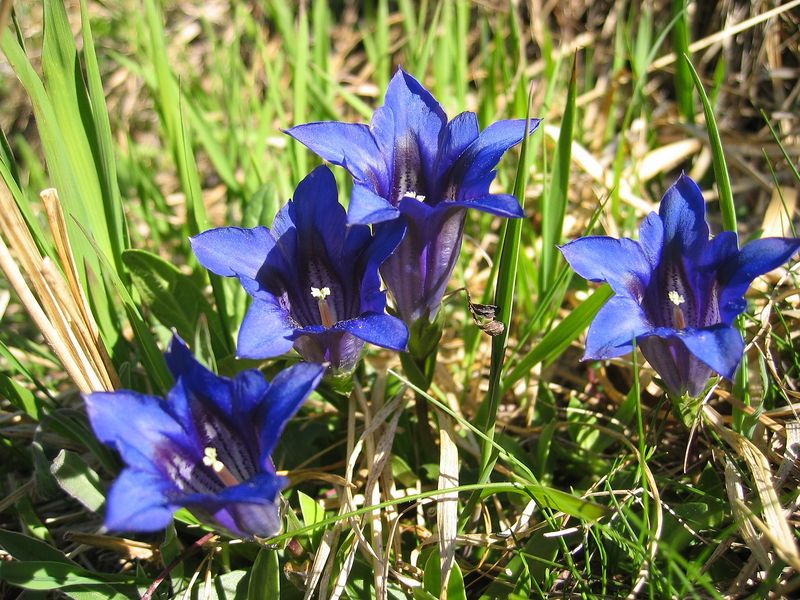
55 301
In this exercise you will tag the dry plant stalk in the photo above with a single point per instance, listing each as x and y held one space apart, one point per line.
447 505
775 528
57 304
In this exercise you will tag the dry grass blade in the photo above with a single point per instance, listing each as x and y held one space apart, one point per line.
777 527
88 327
40 319
124 546
322 566
588 163
736 495
447 506
61 311
666 158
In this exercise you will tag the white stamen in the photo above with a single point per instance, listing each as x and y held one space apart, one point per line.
676 298
320 293
210 460
414 195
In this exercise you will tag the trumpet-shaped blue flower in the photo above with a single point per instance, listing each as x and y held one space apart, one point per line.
676 292
207 447
420 172
313 279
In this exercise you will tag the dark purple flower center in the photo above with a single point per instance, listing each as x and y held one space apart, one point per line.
223 455
315 294
681 296
408 177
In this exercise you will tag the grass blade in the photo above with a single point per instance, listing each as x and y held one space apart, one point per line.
555 206
720 166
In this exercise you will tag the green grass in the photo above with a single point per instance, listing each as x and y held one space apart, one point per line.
157 120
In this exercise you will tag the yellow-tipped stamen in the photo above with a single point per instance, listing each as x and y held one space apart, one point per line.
677 299
210 460
326 313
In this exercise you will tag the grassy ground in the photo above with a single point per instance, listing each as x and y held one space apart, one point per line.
170 122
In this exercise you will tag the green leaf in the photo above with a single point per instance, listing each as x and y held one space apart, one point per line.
432 579
504 300
561 336
726 204
172 296
20 396
78 480
46 575
313 513
102 143
680 45
25 548
265 576
555 205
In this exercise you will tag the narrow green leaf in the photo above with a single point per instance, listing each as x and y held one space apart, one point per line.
561 336
313 513
789 159
78 480
43 575
25 548
173 297
103 143
432 579
718 155
554 499
555 206
20 396
504 301
265 576
684 86
300 83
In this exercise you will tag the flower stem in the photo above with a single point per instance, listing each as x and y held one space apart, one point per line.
419 365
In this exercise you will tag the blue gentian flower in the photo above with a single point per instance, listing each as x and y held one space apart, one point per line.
677 293
313 279
417 172
206 447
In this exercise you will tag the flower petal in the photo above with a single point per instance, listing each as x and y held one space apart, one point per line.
139 501
366 207
252 506
617 324
286 394
620 262
651 238
198 378
379 329
755 259
475 167
149 425
266 331
683 211
233 251
244 510
349 145
502 205
456 137
415 117
417 273
720 347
